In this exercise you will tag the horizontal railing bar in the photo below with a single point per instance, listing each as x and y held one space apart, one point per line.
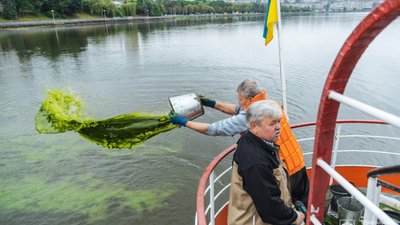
370 122
305 139
369 136
380 114
369 151
207 209
223 173
389 186
203 183
226 203
356 193
314 220
361 151
222 190
384 171
207 189
216 196
355 135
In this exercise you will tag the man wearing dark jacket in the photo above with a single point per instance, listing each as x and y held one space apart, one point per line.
259 187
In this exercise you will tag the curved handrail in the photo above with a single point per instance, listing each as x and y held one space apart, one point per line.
200 209
203 183
306 124
337 79
384 171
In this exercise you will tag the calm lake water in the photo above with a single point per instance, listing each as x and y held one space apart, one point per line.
63 179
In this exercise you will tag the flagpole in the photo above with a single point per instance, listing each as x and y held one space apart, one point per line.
281 65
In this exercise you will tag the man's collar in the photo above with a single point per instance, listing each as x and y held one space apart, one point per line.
270 143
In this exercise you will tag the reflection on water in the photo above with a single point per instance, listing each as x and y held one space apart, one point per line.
52 42
124 68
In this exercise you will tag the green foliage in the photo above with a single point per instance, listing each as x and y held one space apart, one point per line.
203 8
173 7
119 12
141 7
219 6
156 9
294 9
150 8
72 7
10 9
257 7
188 9
28 6
61 7
87 6
66 8
128 9
99 7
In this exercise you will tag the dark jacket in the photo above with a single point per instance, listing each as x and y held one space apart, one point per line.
258 163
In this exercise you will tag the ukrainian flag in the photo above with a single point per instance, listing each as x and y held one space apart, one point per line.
271 17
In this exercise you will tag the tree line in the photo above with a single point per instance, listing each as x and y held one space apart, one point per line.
12 9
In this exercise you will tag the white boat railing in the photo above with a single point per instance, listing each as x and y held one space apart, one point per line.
215 192
367 203
380 114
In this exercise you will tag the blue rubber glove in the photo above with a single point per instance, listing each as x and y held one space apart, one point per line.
177 119
207 102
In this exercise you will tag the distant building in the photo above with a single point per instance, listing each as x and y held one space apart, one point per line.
315 6
351 6
322 5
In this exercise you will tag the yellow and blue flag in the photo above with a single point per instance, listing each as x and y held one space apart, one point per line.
271 17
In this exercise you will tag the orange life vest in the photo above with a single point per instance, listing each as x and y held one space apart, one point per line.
290 149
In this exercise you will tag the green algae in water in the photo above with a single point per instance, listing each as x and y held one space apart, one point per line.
126 130
61 112
34 194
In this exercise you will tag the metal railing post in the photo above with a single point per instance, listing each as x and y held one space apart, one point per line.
356 193
335 149
212 206
371 192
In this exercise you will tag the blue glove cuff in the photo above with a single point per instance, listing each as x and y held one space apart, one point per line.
177 119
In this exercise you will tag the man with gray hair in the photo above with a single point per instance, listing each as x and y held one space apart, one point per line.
249 92
259 191
235 124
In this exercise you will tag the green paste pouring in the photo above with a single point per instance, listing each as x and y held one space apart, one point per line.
61 112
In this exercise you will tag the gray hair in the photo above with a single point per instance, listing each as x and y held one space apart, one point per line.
248 88
260 110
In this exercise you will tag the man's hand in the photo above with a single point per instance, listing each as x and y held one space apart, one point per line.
177 119
207 102
300 218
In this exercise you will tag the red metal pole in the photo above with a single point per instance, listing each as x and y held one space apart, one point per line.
337 79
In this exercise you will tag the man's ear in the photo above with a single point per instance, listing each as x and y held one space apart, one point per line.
253 125
254 128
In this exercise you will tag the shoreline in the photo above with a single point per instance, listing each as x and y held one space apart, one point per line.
139 19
